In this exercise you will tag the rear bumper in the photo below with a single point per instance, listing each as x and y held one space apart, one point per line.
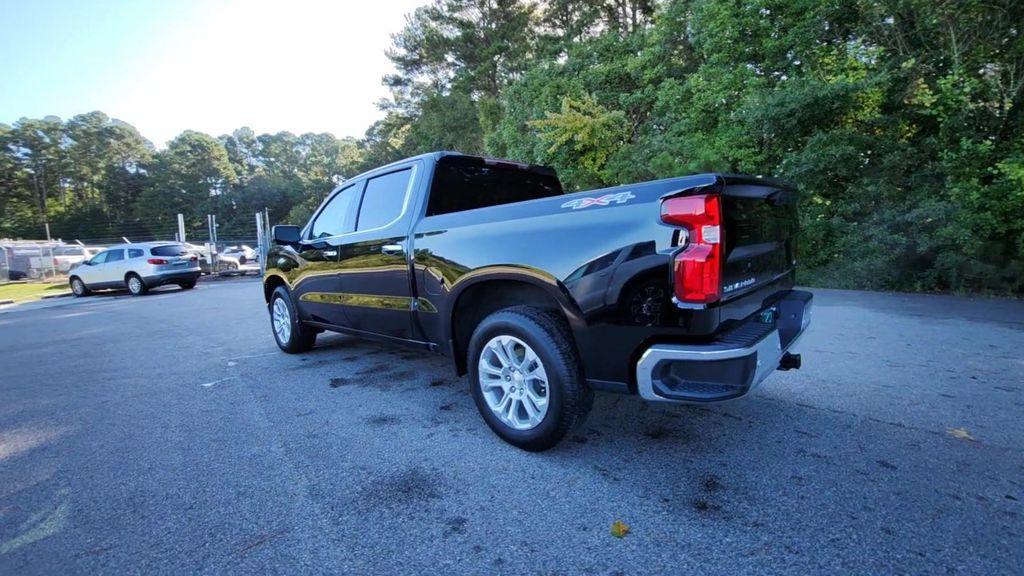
729 367
172 277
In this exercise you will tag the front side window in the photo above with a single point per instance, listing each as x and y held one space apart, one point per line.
334 218
115 255
100 258
383 200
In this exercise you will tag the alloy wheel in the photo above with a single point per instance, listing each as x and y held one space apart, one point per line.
514 382
282 320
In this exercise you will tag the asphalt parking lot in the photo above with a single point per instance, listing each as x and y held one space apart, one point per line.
167 434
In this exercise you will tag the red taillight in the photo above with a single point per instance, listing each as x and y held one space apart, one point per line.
157 261
698 268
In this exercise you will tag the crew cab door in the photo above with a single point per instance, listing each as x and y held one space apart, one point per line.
319 288
378 291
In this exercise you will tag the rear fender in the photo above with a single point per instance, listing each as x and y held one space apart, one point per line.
535 277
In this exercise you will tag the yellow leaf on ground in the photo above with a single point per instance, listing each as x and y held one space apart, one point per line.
960 433
620 529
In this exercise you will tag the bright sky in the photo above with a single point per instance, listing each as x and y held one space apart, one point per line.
213 66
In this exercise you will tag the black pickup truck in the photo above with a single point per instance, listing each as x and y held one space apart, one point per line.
679 290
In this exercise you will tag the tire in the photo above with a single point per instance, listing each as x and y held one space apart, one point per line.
78 288
187 285
567 399
297 337
135 284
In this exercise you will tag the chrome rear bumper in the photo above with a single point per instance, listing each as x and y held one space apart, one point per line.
727 368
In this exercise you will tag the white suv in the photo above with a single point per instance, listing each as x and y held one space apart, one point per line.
137 267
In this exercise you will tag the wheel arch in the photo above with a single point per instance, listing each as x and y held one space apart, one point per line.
271 283
482 292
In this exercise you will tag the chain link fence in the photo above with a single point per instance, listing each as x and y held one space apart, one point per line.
221 251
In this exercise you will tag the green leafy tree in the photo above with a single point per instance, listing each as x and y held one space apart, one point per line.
583 134
191 177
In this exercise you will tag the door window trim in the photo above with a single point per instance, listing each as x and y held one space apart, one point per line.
405 198
414 167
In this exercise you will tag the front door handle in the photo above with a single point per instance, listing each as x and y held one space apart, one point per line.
391 249
330 253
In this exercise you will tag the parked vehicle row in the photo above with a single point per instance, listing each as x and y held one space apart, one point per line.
233 260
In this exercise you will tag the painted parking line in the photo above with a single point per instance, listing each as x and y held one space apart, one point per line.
215 382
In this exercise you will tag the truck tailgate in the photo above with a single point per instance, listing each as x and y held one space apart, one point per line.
760 225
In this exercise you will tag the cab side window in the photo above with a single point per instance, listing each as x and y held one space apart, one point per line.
334 218
384 199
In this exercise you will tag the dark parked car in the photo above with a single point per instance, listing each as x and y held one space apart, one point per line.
679 290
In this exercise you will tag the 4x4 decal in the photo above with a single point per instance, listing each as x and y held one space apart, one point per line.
618 198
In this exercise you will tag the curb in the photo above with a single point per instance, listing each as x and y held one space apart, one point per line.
51 296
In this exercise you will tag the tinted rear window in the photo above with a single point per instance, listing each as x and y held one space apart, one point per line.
465 183
169 250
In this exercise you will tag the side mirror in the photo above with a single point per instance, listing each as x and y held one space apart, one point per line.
286 235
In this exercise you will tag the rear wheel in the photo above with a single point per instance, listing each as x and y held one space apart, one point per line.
187 285
291 335
135 285
78 287
526 378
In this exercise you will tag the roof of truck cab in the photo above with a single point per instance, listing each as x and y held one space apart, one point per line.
439 154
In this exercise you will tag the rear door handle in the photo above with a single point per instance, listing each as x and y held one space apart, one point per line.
391 249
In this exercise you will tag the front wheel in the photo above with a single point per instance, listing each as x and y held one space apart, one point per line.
290 333
78 287
526 378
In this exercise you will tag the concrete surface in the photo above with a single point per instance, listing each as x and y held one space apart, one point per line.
167 435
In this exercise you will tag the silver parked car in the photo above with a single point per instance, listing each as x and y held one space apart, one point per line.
68 256
137 267
241 253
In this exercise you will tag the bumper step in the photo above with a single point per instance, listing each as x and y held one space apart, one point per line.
731 366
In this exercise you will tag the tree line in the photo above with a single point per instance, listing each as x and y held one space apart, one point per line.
899 120
95 178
